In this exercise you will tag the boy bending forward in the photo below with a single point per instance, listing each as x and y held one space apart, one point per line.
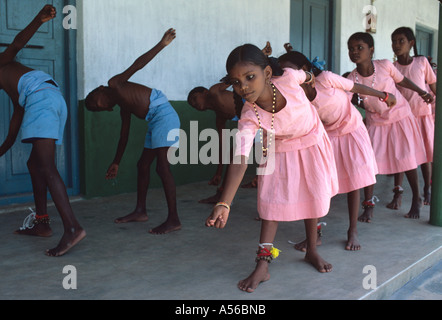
40 110
153 106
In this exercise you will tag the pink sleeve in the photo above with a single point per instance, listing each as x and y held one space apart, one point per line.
394 72
430 76
340 82
298 76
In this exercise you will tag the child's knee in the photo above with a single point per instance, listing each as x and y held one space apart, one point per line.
163 168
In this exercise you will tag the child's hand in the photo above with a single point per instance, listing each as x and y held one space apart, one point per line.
47 13
218 218
391 101
112 171
267 49
428 98
288 47
168 37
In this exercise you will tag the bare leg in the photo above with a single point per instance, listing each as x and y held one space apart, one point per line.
312 256
395 204
353 199
44 152
367 215
416 204
163 169
39 188
426 173
143 179
261 272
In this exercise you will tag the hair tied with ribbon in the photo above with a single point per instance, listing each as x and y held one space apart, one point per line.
320 65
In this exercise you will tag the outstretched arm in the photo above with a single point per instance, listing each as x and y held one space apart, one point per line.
47 13
220 214
14 128
142 61
388 98
407 83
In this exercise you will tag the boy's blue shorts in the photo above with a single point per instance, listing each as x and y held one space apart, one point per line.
162 120
45 108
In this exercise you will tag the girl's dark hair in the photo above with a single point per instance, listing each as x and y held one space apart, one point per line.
252 54
409 34
299 60
362 36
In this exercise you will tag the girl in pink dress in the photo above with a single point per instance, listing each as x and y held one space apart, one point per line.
299 176
386 126
354 156
418 70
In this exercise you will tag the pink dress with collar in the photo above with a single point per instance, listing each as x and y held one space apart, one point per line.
355 159
299 177
421 73
394 132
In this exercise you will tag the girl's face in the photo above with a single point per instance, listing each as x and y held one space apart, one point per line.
401 45
359 51
249 80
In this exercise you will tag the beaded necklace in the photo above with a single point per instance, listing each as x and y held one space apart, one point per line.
264 150
372 83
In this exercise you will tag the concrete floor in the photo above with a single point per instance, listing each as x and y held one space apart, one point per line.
198 263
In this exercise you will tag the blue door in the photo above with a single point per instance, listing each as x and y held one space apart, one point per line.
311 28
47 51
424 41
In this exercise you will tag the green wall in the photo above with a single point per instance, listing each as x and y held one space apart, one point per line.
99 135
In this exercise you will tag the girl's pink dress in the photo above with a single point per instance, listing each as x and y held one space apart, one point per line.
394 132
421 73
301 173
354 156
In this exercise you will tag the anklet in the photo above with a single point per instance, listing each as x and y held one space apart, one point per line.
265 254
44 219
370 203
320 224
398 190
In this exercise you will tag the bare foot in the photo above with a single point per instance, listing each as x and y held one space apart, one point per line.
67 242
352 242
320 264
166 227
427 197
260 274
251 185
302 246
39 230
136 216
415 210
366 216
396 203
211 199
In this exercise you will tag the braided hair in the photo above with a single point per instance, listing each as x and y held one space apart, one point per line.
252 54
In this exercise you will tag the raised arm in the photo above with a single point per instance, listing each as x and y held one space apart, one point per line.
46 14
14 128
142 61
112 171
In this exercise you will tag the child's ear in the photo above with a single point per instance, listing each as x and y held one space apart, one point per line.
268 73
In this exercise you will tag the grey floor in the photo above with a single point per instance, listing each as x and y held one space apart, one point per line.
125 262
